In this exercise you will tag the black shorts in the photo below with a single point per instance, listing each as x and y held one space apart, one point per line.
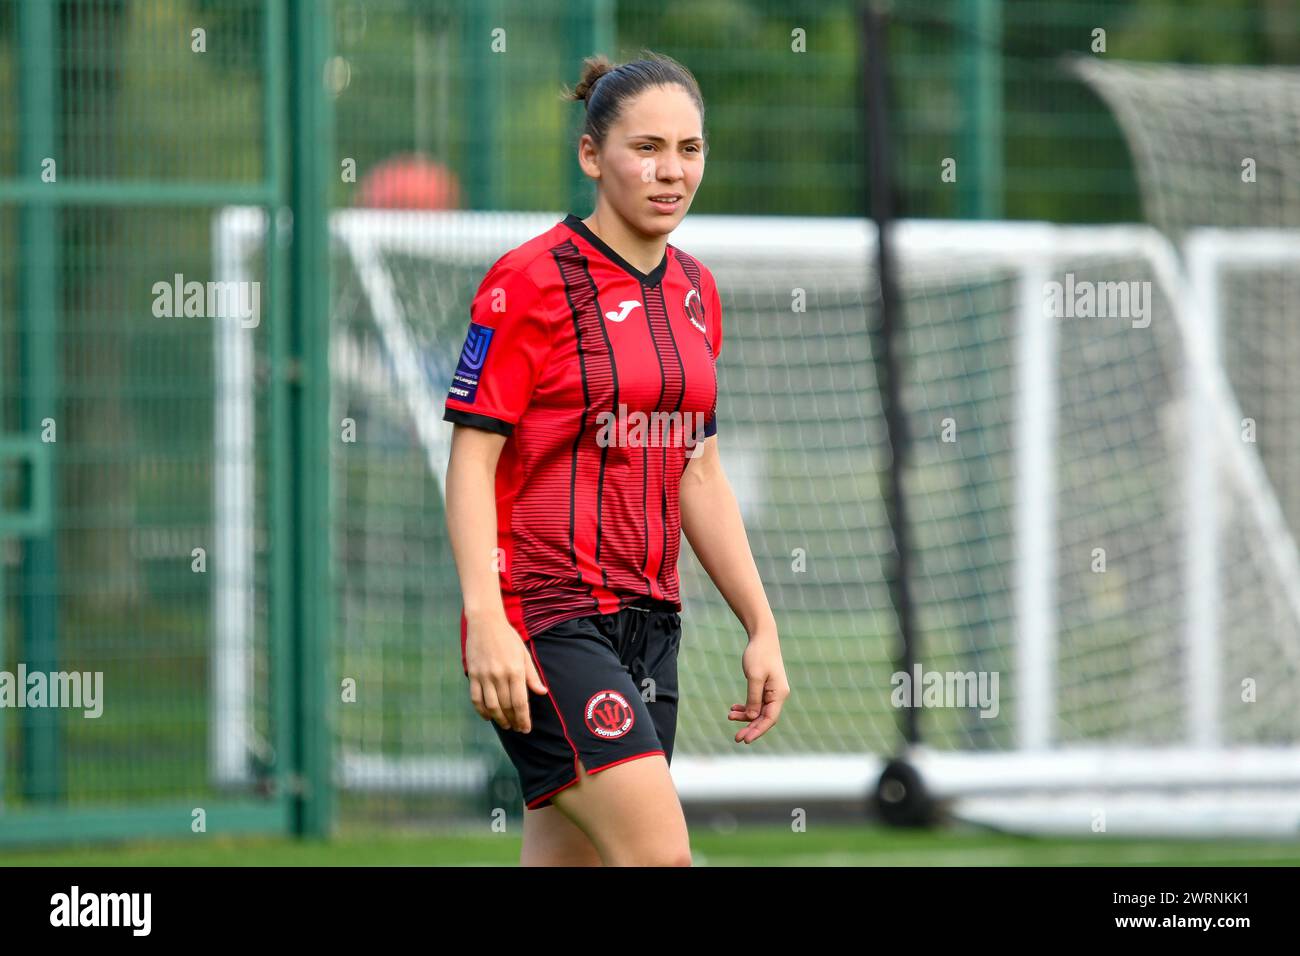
612 697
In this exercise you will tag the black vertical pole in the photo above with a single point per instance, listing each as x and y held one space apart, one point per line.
885 341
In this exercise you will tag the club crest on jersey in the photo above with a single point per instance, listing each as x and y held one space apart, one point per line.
694 309
473 354
608 714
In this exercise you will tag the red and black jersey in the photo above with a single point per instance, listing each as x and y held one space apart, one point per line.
602 378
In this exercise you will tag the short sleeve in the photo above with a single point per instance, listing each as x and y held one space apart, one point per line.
505 349
714 317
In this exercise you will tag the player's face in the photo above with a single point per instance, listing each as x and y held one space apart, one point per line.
655 151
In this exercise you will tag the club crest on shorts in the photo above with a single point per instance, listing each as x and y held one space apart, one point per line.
608 714
694 309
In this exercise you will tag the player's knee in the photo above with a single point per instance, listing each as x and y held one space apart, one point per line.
560 859
680 857
662 855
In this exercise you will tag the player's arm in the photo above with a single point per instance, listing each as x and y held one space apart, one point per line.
472 518
505 349
713 525
497 662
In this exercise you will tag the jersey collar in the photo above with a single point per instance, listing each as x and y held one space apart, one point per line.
653 277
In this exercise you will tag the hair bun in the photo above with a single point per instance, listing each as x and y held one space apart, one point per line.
593 68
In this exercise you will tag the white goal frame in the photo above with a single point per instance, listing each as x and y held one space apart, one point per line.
1203 769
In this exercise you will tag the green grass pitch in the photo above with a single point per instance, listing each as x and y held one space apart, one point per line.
827 845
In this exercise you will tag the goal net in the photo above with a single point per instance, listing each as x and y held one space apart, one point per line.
1105 574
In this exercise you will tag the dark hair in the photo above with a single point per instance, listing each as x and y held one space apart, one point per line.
606 88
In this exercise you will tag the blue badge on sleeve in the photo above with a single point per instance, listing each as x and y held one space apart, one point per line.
464 384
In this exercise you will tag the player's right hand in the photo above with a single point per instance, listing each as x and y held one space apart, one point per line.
501 672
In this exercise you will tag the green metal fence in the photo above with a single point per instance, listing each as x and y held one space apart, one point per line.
128 126
124 128
978 81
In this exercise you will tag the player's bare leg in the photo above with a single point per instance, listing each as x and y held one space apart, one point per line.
631 814
552 839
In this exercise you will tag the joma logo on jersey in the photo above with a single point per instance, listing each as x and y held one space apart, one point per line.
608 715
472 356
624 307
694 309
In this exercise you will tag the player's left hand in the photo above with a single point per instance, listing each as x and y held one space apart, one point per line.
768 688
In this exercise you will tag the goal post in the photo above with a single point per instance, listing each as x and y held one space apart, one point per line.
1090 531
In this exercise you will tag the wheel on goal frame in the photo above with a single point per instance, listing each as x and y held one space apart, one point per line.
901 798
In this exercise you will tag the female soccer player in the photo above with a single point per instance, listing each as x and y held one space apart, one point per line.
584 446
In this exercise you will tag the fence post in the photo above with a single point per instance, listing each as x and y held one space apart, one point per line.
40 311
311 150
592 30
979 175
